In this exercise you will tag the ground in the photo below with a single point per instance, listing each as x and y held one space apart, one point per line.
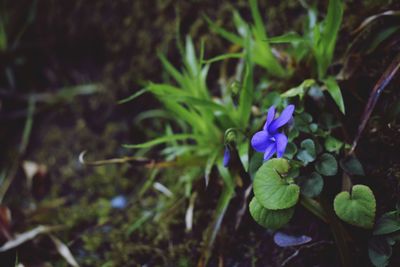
112 46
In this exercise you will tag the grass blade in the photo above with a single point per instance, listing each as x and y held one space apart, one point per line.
223 57
213 229
259 25
171 69
290 37
132 97
246 93
334 90
161 140
233 38
383 81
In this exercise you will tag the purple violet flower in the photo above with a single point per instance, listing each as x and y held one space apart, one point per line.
269 141
227 156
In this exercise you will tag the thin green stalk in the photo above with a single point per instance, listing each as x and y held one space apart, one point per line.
336 226
21 150
339 234
314 207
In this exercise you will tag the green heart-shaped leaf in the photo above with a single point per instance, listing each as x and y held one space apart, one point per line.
302 121
352 166
326 165
387 223
293 134
332 144
272 189
311 185
379 251
271 219
358 208
307 154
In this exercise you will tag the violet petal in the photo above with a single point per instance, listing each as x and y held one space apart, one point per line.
285 116
284 240
270 151
281 143
260 141
227 157
270 117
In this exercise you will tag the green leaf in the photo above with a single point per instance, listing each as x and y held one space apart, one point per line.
247 91
290 37
332 25
146 215
313 127
223 57
271 99
352 166
233 38
334 90
332 144
190 58
164 90
358 208
307 153
333 20
387 223
272 189
214 226
241 26
302 122
293 134
259 25
271 219
379 251
324 36
263 54
163 139
299 90
255 162
326 165
311 185
381 36
210 163
171 69
290 151
132 97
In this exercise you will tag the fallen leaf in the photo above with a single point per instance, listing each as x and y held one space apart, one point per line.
27 236
64 251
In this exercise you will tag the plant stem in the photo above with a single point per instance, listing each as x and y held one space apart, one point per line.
339 234
314 207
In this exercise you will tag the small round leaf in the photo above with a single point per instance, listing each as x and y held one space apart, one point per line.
311 185
302 122
352 166
358 208
326 165
332 144
307 153
388 223
272 189
379 251
271 219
